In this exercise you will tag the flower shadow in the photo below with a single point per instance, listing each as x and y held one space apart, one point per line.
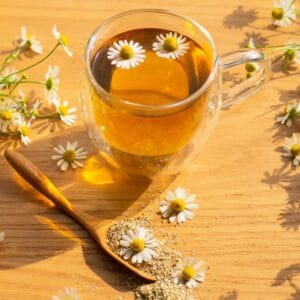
231 295
36 230
287 275
240 18
258 39
289 217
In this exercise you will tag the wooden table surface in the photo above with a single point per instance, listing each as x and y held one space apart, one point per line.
247 227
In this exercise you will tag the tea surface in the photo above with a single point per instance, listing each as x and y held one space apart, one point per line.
156 81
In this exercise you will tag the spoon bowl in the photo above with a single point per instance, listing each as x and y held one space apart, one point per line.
96 227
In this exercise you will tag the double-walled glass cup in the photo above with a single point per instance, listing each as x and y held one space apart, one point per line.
151 139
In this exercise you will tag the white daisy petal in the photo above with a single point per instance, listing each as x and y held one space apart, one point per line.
2 236
178 205
139 245
283 13
126 54
66 293
67 156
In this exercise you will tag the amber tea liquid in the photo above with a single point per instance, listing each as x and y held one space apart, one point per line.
156 81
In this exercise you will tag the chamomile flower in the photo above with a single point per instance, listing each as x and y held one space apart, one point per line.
139 245
24 131
34 111
27 41
292 148
250 44
189 271
65 112
292 53
9 116
283 12
67 293
178 205
126 55
2 236
7 77
170 45
69 156
291 112
52 80
63 41
251 67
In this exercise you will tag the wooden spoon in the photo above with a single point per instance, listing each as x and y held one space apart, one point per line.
96 227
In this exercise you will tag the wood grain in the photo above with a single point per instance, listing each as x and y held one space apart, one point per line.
247 227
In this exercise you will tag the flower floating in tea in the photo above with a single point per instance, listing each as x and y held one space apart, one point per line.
170 45
292 149
283 12
126 55
67 293
139 245
178 205
28 42
292 111
189 271
69 156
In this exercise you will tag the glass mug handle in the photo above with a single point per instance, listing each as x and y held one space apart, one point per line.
244 89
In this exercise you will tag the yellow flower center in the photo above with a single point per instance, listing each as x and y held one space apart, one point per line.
188 273
137 245
6 115
250 67
126 52
277 13
24 130
63 40
178 205
289 55
36 112
63 110
295 150
67 298
69 155
170 44
49 84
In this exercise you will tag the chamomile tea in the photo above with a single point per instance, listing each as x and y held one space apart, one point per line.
148 69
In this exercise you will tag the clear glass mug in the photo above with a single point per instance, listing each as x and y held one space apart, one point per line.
150 140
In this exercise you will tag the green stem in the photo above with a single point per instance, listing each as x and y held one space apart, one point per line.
11 57
33 81
16 133
6 96
48 116
33 65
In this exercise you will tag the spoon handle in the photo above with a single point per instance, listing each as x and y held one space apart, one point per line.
34 176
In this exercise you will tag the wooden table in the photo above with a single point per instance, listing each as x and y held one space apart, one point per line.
247 229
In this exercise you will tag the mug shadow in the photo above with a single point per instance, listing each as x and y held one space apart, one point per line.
36 230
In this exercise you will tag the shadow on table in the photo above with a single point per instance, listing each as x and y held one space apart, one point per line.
35 230
289 217
287 275
231 295
240 18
